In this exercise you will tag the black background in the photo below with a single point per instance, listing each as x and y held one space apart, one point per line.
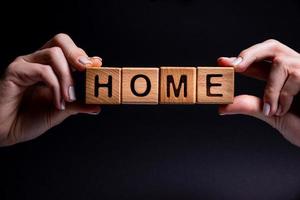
153 152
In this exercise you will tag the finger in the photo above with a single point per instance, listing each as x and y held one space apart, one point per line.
55 58
75 55
225 61
25 74
257 70
289 90
97 61
277 77
288 124
247 105
263 51
73 109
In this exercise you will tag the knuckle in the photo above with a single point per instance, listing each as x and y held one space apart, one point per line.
54 86
279 61
275 44
19 59
243 53
269 93
58 38
279 124
284 94
46 70
295 75
272 41
54 52
49 117
13 67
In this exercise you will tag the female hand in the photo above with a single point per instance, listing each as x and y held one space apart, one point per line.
37 90
279 66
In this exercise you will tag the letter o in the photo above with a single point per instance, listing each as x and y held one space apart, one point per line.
148 85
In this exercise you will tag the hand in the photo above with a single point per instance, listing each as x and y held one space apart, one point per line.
37 90
279 66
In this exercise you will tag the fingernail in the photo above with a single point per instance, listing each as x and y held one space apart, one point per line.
72 95
97 57
62 105
237 61
94 113
279 110
222 114
221 58
266 109
84 60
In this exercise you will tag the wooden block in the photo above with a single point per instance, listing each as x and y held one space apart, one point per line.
177 85
140 85
215 85
103 85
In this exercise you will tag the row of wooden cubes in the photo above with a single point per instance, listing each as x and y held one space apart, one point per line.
164 85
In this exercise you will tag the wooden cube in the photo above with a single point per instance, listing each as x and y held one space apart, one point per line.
103 85
177 85
215 85
140 85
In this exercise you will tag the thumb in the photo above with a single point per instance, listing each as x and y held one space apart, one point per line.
247 105
72 109
226 61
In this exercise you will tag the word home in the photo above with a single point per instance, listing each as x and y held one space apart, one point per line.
164 85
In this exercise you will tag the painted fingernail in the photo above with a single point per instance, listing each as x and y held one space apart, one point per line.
94 113
237 61
62 105
84 60
266 109
72 95
279 110
228 113
97 57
